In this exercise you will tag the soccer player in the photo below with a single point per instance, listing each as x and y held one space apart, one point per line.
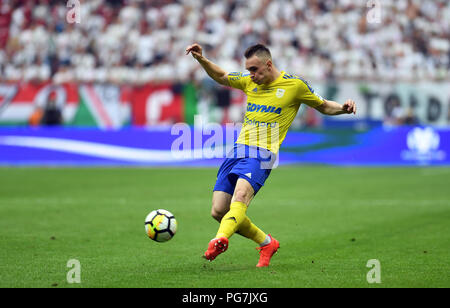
273 100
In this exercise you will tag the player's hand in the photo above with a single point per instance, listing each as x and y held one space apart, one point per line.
196 50
349 106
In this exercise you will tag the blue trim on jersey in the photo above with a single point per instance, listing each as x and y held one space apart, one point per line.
287 76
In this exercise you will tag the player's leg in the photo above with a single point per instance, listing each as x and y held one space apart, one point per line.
230 222
236 220
220 204
223 191
242 179
242 196
244 193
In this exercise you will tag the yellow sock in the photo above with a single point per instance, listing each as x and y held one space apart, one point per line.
251 231
232 220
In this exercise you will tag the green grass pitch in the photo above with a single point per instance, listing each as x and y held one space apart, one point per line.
329 220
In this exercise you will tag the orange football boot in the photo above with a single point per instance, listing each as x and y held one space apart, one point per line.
215 248
266 252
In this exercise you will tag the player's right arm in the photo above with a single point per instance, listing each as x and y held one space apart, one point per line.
213 70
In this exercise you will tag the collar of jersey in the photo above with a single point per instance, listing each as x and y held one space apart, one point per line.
278 78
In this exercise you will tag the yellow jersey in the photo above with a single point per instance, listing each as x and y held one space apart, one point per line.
271 108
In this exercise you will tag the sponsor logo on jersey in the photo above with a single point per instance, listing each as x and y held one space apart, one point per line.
235 76
263 108
256 123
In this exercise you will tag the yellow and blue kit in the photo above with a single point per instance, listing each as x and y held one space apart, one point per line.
270 111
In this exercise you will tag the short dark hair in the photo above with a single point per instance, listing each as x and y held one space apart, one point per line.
258 50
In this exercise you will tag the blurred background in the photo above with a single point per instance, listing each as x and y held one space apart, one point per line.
102 82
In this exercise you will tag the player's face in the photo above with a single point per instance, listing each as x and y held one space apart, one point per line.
259 69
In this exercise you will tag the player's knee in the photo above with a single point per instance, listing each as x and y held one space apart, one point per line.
242 195
217 215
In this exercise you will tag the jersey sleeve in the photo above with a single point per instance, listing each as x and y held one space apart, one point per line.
306 95
238 80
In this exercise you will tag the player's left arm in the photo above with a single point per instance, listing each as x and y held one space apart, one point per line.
334 108
309 97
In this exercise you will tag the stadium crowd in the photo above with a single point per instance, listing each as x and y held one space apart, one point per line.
137 41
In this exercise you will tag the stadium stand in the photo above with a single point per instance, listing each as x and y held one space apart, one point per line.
135 42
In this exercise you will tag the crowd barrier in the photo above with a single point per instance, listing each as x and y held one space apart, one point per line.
160 146
109 106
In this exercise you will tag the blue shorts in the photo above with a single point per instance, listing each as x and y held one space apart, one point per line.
250 168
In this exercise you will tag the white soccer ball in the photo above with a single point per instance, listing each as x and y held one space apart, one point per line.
160 225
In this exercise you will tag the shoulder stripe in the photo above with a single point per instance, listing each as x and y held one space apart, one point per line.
299 78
